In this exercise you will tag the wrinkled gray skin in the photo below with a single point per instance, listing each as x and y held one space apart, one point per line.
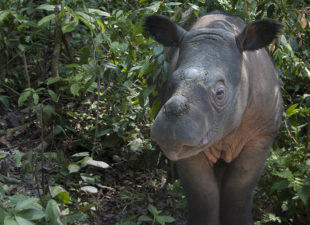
222 112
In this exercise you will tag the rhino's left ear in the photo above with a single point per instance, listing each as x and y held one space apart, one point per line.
164 30
258 34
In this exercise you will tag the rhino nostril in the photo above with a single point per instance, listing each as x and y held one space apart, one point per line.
176 105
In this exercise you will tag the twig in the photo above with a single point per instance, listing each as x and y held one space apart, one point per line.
7 87
56 51
98 100
26 69
289 133
308 134
42 150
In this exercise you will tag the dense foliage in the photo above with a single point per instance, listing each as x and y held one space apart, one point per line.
85 76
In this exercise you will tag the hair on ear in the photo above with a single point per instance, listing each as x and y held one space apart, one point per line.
164 30
258 34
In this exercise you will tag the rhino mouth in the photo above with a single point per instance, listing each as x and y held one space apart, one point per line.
186 151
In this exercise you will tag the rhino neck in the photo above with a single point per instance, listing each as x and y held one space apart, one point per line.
263 79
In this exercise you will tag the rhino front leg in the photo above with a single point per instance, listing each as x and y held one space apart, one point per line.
201 190
239 181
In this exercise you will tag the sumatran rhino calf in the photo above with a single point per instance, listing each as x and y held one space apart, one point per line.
222 112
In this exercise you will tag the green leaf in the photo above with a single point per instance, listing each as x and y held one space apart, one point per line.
90 189
23 97
35 97
75 88
5 100
101 26
155 6
53 95
98 12
155 108
148 90
10 221
144 218
292 110
22 221
72 114
284 174
158 50
32 214
96 163
103 132
73 168
136 144
26 204
153 210
280 185
81 154
48 7
3 15
53 80
52 213
165 219
48 111
304 193
56 190
86 19
2 155
64 197
195 7
46 19
69 25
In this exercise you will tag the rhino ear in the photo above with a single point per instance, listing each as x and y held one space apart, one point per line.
258 34
164 30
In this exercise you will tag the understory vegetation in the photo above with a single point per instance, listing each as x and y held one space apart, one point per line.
79 83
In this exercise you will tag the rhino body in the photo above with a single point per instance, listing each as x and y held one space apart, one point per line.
221 113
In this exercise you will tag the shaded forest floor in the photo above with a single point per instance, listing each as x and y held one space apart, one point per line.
122 194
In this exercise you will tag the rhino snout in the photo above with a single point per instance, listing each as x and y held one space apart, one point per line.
178 128
176 106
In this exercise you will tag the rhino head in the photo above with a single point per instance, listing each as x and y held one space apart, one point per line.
208 86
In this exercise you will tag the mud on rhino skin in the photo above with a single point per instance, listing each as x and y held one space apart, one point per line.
222 112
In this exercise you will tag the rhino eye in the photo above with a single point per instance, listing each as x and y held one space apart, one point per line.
219 90
219 99
220 93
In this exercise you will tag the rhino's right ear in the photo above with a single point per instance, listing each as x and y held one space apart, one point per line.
164 30
258 34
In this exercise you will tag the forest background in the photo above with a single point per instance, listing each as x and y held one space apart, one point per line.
75 113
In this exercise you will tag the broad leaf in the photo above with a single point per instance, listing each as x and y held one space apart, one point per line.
165 219
75 89
292 110
52 213
144 218
26 204
73 168
23 97
69 25
89 189
48 7
55 190
100 164
32 214
22 221
10 221
3 15
46 19
4 100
